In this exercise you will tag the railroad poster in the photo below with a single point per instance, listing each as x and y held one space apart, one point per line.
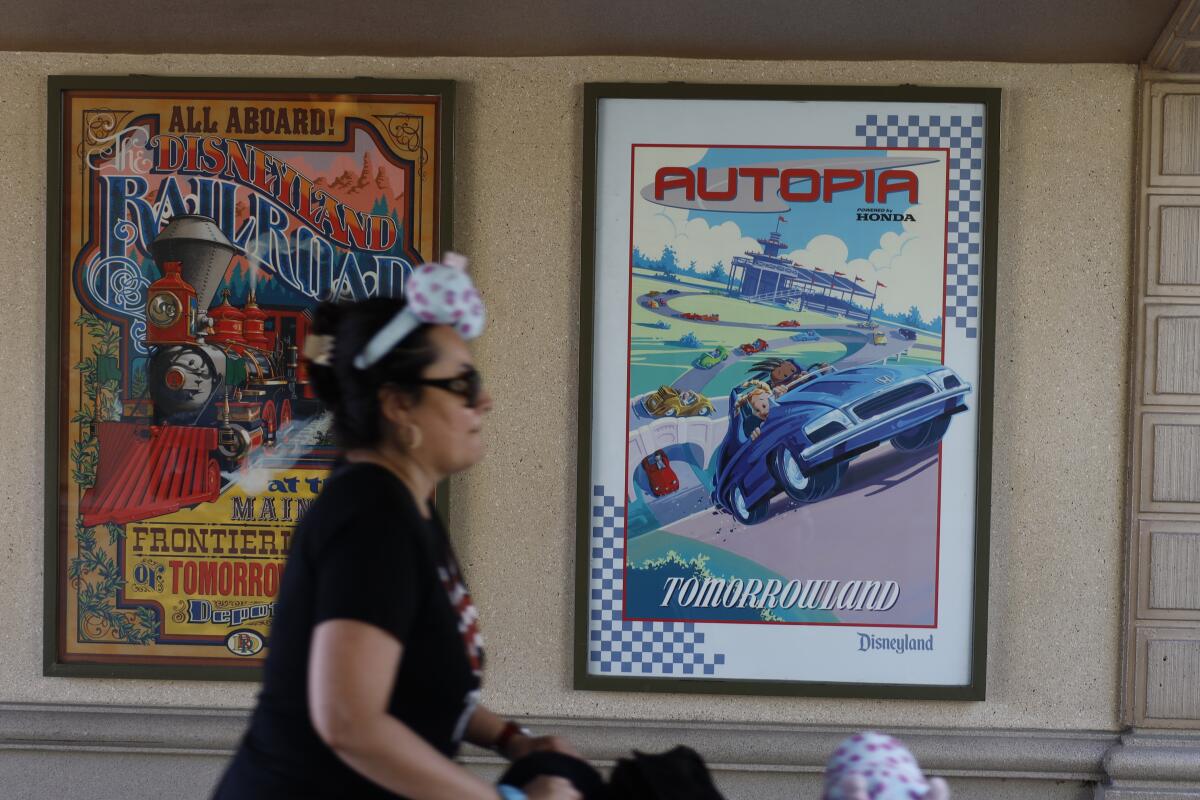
192 227
789 299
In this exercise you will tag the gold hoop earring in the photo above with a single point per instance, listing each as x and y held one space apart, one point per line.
414 438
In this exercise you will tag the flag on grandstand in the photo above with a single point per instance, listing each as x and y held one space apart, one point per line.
858 279
818 269
884 285
839 274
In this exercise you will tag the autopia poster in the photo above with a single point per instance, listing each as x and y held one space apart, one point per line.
784 479
196 229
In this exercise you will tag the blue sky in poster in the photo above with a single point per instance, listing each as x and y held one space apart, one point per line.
805 220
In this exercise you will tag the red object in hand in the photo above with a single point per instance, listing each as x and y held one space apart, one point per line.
505 738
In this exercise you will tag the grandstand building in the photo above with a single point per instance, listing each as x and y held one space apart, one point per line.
769 278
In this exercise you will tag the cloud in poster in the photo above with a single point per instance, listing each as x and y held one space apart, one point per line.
909 264
656 227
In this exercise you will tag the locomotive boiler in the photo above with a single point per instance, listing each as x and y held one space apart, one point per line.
221 382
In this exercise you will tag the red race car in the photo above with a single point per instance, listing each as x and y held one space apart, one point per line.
788 323
701 317
658 470
757 346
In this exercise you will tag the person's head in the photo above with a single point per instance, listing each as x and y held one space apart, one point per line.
421 398
760 403
784 371
872 766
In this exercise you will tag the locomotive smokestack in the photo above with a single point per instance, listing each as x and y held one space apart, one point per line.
203 250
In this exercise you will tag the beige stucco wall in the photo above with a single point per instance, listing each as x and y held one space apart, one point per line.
1066 178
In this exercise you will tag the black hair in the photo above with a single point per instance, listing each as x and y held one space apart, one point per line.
352 394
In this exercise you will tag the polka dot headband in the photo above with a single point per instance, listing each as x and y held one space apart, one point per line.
879 764
438 294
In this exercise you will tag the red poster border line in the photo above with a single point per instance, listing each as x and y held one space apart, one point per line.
628 382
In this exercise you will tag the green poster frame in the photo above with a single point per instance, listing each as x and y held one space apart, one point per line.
593 96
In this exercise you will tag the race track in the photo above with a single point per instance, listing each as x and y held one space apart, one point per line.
881 525
696 379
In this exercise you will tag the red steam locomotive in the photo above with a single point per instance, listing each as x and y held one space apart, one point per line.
222 382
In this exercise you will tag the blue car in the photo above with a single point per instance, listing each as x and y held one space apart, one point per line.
805 336
802 442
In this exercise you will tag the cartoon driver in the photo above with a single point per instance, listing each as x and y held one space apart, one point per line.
780 373
758 400
784 374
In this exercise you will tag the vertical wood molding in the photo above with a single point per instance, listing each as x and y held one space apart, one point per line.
1162 622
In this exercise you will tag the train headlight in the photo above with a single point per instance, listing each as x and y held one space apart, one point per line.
174 379
164 309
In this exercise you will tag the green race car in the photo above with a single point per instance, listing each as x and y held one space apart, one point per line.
711 359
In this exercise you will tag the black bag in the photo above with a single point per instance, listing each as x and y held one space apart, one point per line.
581 774
678 774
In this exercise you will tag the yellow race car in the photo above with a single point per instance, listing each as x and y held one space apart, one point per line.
879 337
668 402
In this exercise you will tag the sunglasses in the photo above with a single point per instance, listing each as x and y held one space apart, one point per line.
468 385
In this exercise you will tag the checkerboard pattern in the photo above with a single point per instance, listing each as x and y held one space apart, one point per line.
642 648
963 135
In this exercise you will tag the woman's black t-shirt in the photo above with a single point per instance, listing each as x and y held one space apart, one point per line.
361 552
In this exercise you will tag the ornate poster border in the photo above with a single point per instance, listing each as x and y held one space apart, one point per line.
93 570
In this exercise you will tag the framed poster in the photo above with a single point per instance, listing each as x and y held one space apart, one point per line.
192 225
785 389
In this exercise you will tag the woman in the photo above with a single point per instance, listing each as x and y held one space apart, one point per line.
373 676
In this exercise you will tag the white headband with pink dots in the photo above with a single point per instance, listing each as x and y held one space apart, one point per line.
438 294
877 766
